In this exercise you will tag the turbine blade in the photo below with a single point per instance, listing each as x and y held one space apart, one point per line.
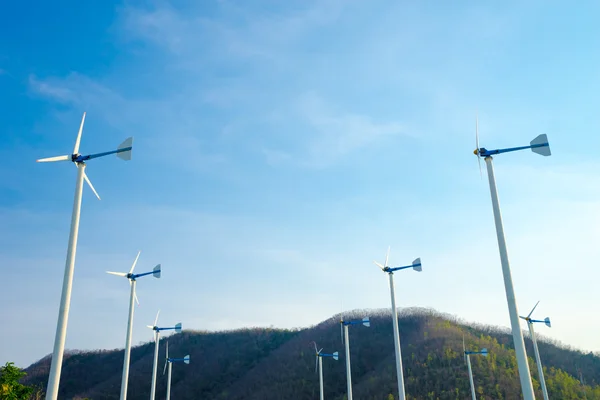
379 265
484 352
547 322
167 350
178 328
135 262
186 359
316 351
124 274
90 184
336 356
387 256
78 140
53 159
125 149
320 350
165 368
477 131
342 330
136 298
477 144
150 326
316 363
366 322
156 319
464 350
534 307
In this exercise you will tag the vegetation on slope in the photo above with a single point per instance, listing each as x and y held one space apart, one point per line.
264 364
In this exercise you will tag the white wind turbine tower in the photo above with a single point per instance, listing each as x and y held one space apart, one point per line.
540 146
124 153
132 283
467 354
535 347
170 361
157 329
416 265
344 327
319 365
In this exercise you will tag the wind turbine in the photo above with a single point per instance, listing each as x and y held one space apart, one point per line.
157 329
538 145
170 361
535 347
344 327
416 265
484 353
124 153
319 365
132 282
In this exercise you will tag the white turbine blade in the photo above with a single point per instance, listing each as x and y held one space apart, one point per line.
477 145
379 265
320 350
547 322
484 352
150 326
90 184
534 307
464 350
125 155
366 322
165 368
525 318
167 350
316 351
335 356
541 139
342 330
178 328
135 297
135 262
78 140
387 256
53 159
316 362
124 274
156 319
186 359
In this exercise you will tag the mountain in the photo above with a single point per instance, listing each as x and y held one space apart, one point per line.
279 364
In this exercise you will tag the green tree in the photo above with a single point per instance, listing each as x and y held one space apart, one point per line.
10 388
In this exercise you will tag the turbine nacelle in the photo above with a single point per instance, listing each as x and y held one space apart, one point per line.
416 265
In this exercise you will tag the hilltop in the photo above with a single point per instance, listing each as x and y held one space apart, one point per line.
266 363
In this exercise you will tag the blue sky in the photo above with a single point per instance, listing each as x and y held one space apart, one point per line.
280 147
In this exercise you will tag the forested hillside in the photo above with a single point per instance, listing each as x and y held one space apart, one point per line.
264 364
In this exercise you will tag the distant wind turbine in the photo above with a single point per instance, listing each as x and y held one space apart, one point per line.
132 283
540 146
416 265
319 365
157 329
344 327
467 354
124 153
170 361
535 347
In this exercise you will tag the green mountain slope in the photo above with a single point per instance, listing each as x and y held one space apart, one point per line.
264 364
